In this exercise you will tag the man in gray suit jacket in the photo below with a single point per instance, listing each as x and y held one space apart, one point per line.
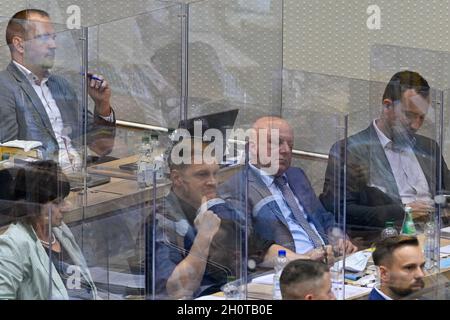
36 105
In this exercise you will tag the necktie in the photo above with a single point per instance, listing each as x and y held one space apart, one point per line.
288 195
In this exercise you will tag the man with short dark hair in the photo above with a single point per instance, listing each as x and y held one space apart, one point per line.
306 280
37 105
389 165
401 267
199 240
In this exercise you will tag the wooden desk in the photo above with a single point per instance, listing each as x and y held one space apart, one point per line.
120 193
112 169
116 195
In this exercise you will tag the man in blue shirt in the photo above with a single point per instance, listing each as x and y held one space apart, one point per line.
199 240
281 200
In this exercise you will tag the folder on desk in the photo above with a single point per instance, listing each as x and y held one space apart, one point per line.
9 152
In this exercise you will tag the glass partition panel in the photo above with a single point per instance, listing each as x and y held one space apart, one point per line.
90 13
406 170
198 237
316 105
115 228
235 58
140 57
46 130
284 216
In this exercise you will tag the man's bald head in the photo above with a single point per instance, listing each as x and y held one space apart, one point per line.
272 147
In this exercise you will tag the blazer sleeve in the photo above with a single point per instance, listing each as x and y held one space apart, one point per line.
11 268
100 132
366 206
9 128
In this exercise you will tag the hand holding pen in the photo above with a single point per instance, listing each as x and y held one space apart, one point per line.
100 92
324 254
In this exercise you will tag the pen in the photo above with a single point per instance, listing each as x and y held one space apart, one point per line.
91 76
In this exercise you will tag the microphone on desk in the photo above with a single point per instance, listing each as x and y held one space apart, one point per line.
441 199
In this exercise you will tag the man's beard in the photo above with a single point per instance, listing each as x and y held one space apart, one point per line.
48 63
406 291
402 137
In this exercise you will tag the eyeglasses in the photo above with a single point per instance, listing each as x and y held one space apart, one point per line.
45 37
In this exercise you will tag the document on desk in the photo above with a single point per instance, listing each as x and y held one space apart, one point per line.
445 232
356 262
211 297
265 279
445 250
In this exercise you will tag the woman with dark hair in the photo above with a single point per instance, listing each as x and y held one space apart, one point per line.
39 257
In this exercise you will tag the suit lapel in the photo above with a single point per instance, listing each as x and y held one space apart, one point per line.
68 242
45 262
380 170
426 156
259 188
300 190
69 114
29 91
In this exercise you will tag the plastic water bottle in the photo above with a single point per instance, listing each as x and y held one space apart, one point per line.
389 230
280 262
408 227
145 166
430 245
158 163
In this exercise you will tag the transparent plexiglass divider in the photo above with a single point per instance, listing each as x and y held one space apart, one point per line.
230 78
138 56
325 110
200 232
46 129
412 116
234 56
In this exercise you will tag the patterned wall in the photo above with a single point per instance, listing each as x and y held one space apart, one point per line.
332 63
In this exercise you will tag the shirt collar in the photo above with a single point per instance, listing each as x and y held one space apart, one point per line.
30 75
382 294
266 178
385 141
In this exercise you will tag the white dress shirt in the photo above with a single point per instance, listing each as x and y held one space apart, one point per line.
409 177
69 158
383 294
302 242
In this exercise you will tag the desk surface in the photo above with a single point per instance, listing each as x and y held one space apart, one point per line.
121 192
262 291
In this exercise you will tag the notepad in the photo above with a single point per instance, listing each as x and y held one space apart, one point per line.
266 279
356 262
445 263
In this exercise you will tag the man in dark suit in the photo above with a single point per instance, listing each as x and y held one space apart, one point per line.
281 201
36 105
388 164
401 265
